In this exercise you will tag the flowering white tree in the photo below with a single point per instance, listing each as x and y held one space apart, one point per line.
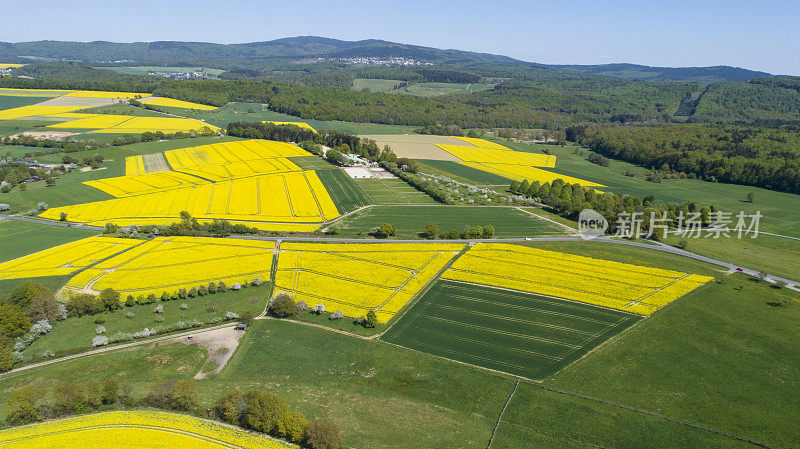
100 340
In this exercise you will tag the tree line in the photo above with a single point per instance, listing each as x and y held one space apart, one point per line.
767 157
255 410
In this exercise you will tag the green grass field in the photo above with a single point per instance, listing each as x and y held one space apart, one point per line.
75 334
392 191
382 396
462 173
21 238
343 190
523 334
375 85
137 366
436 89
9 101
411 220
9 127
722 357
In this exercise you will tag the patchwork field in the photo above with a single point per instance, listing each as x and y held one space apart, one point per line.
252 182
166 264
356 278
344 191
61 106
140 428
519 333
66 258
416 146
621 286
494 158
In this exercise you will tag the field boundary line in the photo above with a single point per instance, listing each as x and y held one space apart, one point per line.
652 414
572 231
422 291
500 418
585 443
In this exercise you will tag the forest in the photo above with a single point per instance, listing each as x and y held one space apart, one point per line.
761 156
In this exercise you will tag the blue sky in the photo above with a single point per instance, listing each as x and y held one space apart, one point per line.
761 35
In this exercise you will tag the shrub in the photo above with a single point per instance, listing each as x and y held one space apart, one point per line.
130 301
301 306
257 282
41 327
318 309
42 206
230 407
100 330
192 293
109 391
212 288
184 306
202 290
164 297
293 427
337 315
283 306
100 340
221 286
371 319
236 286
6 359
264 411
323 434
159 309
231 316
182 294
129 315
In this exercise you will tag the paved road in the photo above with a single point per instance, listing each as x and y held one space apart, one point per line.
52 223
655 246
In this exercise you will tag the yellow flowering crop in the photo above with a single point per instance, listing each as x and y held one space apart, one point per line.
122 186
32 111
170 263
516 165
64 259
9 65
355 278
300 124
172 103
251 182
139 429
127 124
134 165
602 282
104 94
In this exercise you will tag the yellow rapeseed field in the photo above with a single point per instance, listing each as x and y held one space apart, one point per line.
295 197
515 165
9 65
33 111
250 182
104 94
7 91
141 429
64 259
172 103
355 278
134 165
170 263
606 283
127 124
300 124
122 186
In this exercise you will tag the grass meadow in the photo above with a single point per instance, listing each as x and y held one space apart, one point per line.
410 221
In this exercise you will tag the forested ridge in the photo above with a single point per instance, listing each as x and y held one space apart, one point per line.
767 157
